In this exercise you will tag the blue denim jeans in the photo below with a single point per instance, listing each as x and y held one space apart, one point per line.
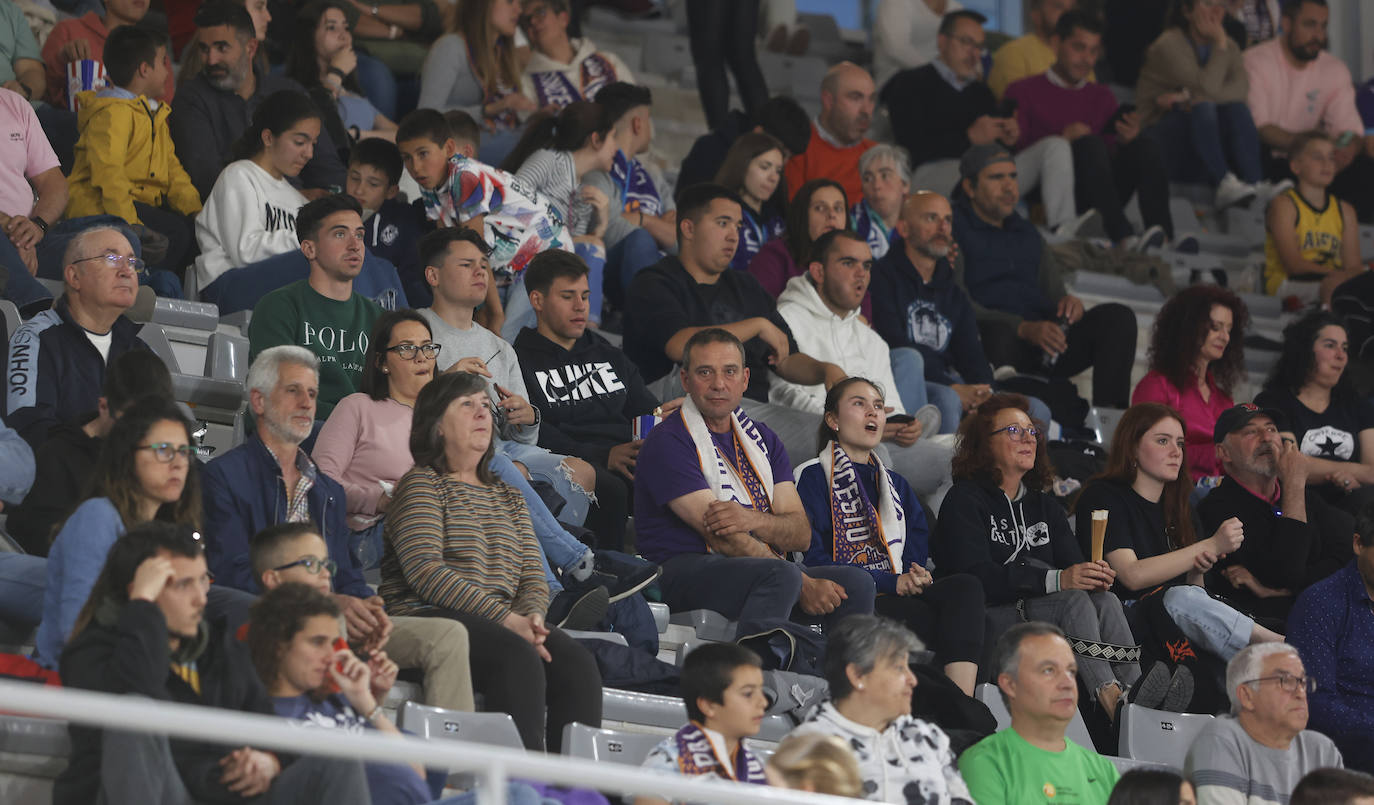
377 83
1208 141
23 578
908 368
1216 627
629 256
560 548
548 467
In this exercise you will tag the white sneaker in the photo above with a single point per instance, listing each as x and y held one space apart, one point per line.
1232 191
1152 238
929 417
1266 191
1089 224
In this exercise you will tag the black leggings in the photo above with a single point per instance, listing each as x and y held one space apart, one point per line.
948 617
722 32
513 678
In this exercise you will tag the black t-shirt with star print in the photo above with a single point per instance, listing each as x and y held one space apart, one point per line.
1334 434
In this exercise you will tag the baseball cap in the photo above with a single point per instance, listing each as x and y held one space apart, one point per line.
1238 416
980 156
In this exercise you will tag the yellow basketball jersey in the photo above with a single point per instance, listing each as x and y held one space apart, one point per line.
1319 238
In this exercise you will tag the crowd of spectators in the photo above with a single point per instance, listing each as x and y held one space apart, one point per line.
510 377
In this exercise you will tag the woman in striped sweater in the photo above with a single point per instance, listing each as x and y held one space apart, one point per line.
460 545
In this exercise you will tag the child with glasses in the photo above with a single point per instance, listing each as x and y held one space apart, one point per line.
295 553
999 523
145 472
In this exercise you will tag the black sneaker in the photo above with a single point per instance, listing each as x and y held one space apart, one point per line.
1180 691
581 607
622 577
1152 688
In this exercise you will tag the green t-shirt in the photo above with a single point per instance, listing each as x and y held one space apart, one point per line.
335 331
1004 769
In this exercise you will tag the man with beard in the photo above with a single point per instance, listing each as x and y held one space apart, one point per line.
1026 317
837 133
1292 538
1296 86
214 108
926 317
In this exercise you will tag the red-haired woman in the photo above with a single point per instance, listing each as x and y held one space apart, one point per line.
1194 365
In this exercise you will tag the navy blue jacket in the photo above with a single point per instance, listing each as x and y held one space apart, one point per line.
1005 268
53 373
393 233
935 318
244 493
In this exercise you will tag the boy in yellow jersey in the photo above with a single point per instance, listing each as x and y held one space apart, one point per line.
1313 242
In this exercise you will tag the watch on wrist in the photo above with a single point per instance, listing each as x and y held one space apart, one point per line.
375 11
40 223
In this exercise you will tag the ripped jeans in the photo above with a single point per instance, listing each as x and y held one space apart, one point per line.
561 549
548 467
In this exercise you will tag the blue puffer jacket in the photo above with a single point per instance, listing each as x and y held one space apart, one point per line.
244 493
53 373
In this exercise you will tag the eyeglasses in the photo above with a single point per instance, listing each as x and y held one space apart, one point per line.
1018 434
1288 682
407 351
166 451
312 564
116 261
969 42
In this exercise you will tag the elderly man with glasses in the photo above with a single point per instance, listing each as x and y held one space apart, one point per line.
55 364
1259 753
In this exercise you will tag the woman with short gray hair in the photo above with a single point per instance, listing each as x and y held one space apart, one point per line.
885 171
902 759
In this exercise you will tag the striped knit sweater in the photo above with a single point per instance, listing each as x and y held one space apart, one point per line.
452 545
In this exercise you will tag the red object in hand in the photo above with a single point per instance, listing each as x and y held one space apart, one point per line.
331 684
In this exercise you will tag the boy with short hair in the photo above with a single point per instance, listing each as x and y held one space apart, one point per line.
515 218
124 164
1312 241
394 226
722 687
296 553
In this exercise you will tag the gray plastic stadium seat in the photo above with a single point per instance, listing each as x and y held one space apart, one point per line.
1159 736
226 356
667 54
156 338
661 616
668 712
609 637
989 695
1125 764
611 746
493 729
33 751
709 625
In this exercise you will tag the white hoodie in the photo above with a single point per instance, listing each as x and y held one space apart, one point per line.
249 216
846 342
572 71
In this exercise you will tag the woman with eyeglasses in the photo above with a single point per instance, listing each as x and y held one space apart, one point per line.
460 544
998 523
364 445
146 471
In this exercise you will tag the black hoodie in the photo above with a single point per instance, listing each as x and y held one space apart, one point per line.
588 396
65 463
1009 545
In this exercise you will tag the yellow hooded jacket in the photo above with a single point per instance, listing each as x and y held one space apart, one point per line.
125 155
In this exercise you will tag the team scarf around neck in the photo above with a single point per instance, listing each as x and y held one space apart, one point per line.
697 755
641 194
749 484
554 87
869 536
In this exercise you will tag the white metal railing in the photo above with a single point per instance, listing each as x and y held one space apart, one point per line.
492 766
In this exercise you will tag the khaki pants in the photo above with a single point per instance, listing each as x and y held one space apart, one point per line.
439 647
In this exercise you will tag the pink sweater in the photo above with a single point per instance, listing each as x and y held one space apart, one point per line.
1320 96
1199 417
1045 109
364 441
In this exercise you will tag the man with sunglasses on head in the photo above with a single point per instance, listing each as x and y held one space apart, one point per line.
56 361
1258 754
269 481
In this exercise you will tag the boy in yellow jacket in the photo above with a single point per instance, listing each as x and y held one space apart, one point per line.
124 162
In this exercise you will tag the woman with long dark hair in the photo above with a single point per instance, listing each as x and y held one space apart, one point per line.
1331 424
1151 538
1153 787
146 471
473 67
999 524
460 545
752 170
818 207
889 536
323 61
1195 364
251 213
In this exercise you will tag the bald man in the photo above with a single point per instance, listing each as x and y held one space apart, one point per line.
926 318
837 134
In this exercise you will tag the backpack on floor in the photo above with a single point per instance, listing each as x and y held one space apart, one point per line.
783 645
